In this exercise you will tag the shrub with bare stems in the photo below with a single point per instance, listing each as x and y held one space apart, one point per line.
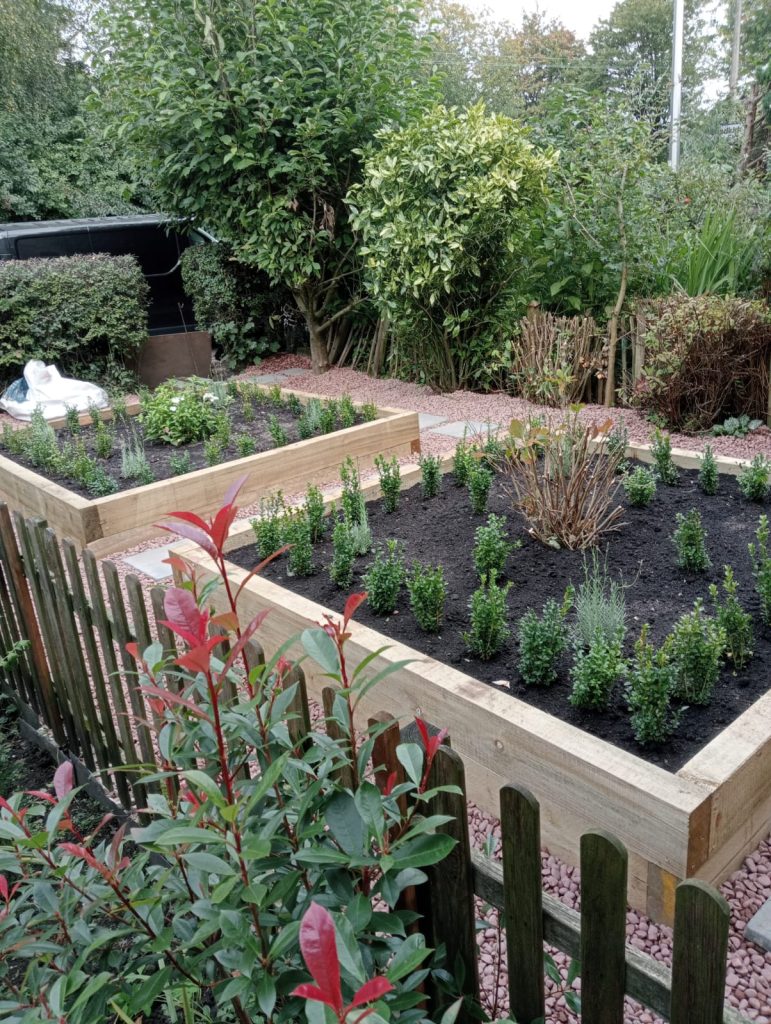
563 479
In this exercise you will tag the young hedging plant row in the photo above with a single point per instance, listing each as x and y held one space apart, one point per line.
588 624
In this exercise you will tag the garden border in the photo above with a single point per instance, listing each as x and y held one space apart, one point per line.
117 521
700 821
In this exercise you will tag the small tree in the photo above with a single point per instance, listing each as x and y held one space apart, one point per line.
445 212
249 114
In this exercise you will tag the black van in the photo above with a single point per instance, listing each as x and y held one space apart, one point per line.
151 238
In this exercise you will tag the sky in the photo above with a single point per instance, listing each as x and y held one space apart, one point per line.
578 15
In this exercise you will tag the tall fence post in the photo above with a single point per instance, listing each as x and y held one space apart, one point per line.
699 954
450 889
523 897
603 928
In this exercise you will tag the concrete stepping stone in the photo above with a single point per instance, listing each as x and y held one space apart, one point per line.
469 427
151 563
758 929
428 421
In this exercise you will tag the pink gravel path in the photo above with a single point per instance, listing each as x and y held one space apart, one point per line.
748 985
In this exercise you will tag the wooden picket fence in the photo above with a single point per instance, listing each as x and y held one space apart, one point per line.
74 680
692 992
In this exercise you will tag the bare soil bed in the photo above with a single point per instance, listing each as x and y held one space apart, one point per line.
159 455
641 554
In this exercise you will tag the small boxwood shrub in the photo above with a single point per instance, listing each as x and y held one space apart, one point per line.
690 540
754 479
542 641
640 487
650 687
71 311
695 647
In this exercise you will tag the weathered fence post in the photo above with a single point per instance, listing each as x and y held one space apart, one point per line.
447 901
699 954
603 928
523 913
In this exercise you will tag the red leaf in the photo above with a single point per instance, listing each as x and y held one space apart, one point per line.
220 528
198 536
4 887
351 605
170 698
226 620
41 795
133 650
63 779
308 991
370 991
232 492
423 730
178 563
319 950
192 518
184 615
243 640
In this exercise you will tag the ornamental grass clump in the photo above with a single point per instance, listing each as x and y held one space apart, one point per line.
761 568
427 588
563 480
542 641
489 629
661 450
133 461
390 481
709 479
343 556
596 670
354 508
430 475
479 481
735 622
640 487
649 691
600 605
492 546
695 647
690 540
384 578
754 480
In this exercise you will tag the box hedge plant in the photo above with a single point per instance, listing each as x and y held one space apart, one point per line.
71 310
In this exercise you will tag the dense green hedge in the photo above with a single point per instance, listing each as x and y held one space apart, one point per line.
71 311
235 302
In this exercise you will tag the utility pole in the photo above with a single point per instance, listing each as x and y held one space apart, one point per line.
677 84
735 49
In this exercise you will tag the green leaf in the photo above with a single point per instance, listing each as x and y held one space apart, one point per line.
410 756
423 851
266 993
345 823
320 646
208 863
409 956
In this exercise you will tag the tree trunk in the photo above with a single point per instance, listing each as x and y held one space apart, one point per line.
306 302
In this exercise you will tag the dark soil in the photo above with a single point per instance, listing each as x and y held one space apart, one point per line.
641 553
159 455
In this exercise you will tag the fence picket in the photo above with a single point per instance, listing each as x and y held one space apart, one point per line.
328 694
119 628
45 606
40 675
104 631
450 888
603 928
699 954
523 913
87 629
299 715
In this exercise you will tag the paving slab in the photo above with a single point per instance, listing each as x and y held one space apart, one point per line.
428 421
758 929
268 378
151 563
470 427
297 371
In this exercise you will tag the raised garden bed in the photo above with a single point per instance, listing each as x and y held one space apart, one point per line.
116 520
696 812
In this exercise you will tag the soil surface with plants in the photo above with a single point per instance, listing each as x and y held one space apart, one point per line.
641 555
259 424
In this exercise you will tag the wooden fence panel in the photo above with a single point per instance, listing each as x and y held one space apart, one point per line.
603 929
699 954
523 911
